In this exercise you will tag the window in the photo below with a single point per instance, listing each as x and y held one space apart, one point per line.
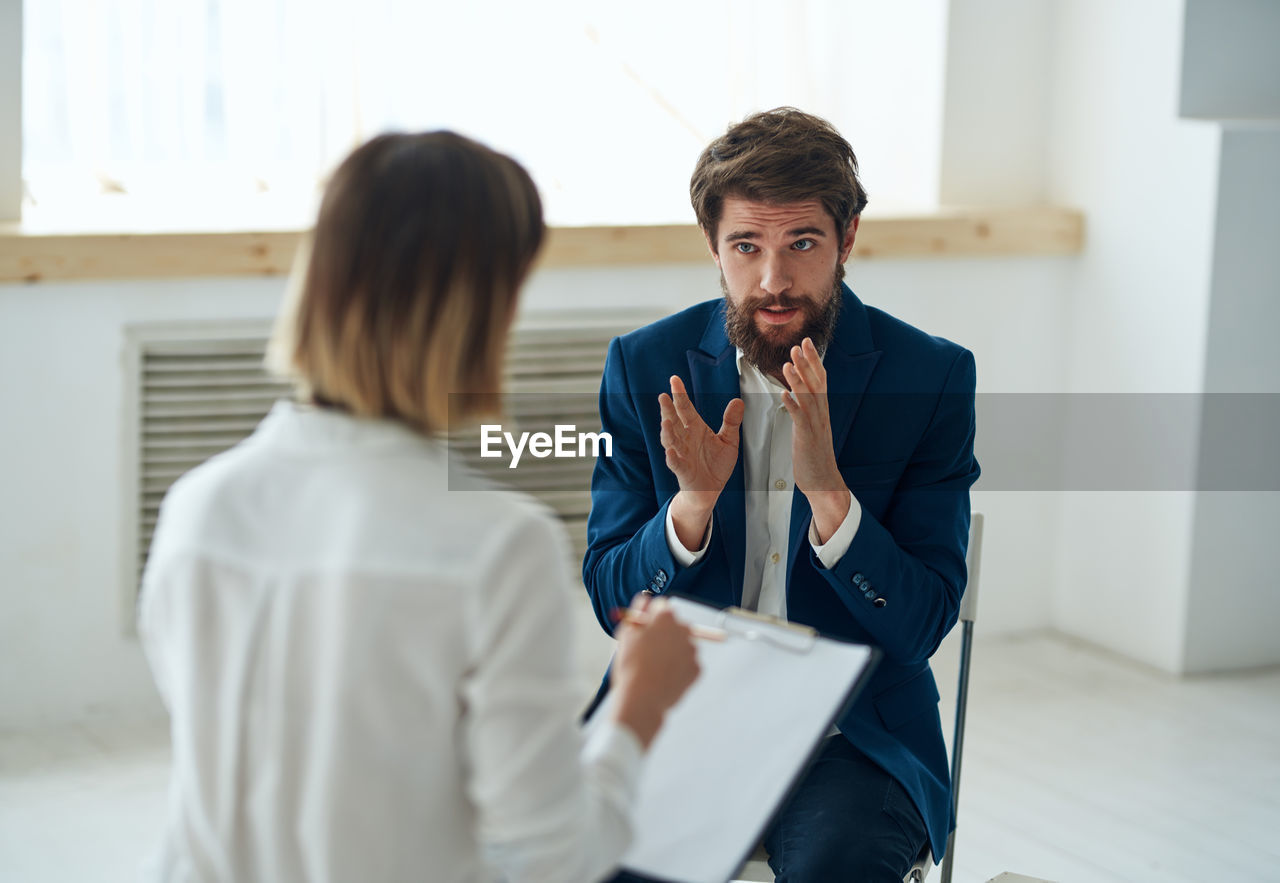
219 102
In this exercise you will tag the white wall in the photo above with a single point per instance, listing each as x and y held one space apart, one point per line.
995 123
978 303
1139 300
1139 312
63 648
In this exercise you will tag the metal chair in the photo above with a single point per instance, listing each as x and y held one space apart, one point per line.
968 615
757 867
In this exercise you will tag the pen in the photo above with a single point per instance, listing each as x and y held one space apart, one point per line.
705 632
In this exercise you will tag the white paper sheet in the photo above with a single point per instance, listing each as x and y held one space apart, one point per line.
732 747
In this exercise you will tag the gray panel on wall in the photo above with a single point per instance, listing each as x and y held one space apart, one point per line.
1230 63
1233 608
10 110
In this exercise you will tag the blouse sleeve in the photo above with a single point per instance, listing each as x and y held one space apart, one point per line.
550 805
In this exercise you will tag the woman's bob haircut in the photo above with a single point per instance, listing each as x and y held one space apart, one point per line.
400 302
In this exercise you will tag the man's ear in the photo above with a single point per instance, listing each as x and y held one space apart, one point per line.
846 245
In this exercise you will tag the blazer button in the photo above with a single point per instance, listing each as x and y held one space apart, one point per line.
858 579
879 602
662 577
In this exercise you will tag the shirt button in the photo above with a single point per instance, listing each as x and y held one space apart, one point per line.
780 484
775 557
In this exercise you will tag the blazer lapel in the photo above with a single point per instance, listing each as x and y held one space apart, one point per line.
713 383
850 360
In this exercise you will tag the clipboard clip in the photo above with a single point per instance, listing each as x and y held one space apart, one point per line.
755 626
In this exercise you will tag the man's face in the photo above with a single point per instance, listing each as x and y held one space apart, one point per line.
780 269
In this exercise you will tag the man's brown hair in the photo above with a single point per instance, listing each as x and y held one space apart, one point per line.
405 293
778 156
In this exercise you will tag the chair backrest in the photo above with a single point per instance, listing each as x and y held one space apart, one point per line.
973 561
968 615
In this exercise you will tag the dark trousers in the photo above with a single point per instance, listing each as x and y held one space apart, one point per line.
848 820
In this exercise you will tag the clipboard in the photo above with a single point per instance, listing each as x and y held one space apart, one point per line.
732 750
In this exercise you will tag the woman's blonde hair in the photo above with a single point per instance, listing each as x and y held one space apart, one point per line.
403 295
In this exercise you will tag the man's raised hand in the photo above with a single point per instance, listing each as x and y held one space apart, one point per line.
813 458
701 460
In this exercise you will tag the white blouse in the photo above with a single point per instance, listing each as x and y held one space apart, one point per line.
367 660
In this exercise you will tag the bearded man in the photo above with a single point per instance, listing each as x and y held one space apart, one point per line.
835 493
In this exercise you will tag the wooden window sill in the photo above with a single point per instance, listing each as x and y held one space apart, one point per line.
28 255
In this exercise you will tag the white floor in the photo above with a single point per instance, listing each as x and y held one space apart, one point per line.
1082 766
1079 766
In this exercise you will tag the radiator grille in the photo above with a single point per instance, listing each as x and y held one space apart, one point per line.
199 393
197 397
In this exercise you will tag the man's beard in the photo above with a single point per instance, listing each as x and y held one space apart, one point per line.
767 351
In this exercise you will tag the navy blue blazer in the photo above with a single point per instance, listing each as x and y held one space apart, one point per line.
902 420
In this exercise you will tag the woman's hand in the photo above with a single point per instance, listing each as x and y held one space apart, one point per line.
656 662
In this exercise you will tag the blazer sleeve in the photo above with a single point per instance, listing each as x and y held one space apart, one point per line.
903 574
627 550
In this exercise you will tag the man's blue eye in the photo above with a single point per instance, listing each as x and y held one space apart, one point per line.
803 244
745 247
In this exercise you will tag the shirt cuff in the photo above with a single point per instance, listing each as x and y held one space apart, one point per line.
620 747
683 556
830 552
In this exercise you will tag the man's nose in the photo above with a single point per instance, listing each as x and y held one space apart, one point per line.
776 278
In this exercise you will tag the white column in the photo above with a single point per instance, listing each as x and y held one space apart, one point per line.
1138 301
1231 75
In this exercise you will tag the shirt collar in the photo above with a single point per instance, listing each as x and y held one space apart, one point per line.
748 369
302 426
749 373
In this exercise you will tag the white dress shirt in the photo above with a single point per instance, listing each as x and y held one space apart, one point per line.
369 670
770 482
